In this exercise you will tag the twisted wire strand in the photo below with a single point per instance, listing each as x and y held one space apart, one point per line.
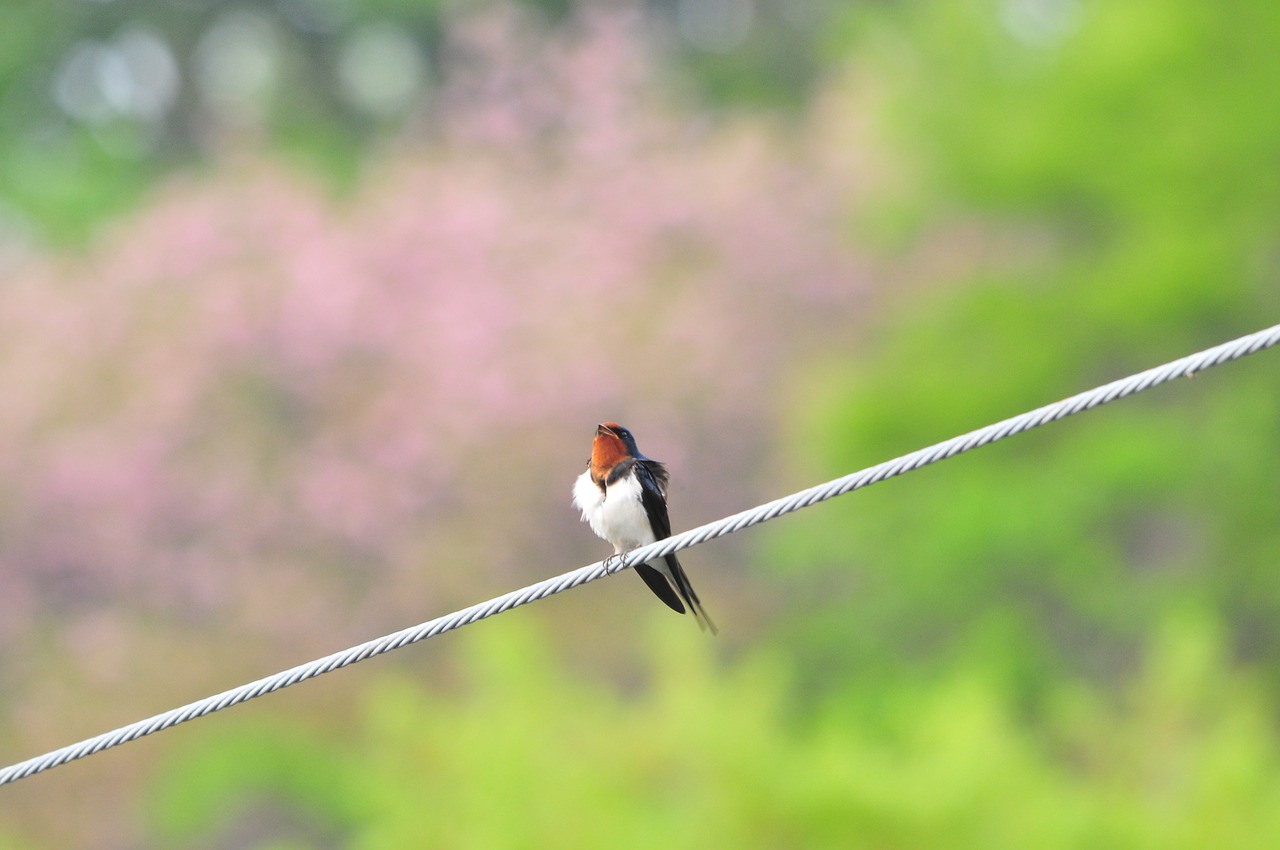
1183 367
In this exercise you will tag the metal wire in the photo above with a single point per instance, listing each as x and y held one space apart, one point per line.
1185 366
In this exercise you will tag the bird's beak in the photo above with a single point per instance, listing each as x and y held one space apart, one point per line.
603 429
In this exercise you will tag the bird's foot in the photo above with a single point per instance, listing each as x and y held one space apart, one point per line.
613 563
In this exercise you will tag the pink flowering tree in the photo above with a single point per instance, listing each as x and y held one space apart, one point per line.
257 408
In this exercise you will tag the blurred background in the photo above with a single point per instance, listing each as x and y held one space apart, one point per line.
308 309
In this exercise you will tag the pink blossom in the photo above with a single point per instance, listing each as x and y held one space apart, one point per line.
252 397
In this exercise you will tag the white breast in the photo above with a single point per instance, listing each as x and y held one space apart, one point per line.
616 515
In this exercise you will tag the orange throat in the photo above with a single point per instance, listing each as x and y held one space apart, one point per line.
607 451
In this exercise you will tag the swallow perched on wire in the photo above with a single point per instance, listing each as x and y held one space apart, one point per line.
623 494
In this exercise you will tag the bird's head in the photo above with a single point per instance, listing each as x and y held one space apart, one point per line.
612 445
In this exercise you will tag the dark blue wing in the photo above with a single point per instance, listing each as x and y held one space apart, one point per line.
652 476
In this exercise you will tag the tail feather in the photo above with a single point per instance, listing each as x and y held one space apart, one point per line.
690 596
660 586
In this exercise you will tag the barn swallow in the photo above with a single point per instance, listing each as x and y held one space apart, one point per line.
623 494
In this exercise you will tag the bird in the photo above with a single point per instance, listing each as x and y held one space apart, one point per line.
623 495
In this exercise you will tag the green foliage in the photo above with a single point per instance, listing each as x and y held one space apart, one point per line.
12 841
65 167
69 185
1110 181
528 755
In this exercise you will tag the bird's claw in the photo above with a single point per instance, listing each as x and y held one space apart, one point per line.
613 563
